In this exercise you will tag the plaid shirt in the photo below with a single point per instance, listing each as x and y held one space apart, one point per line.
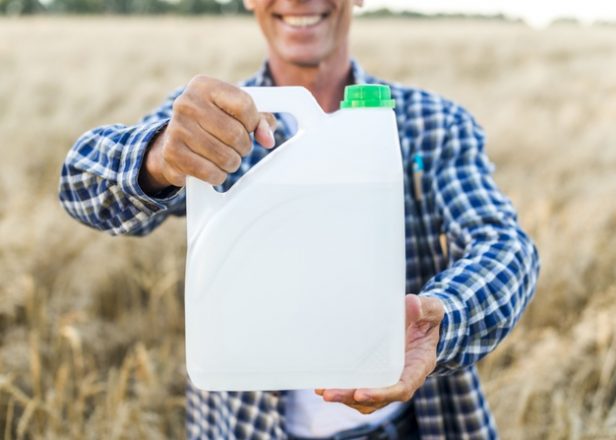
485 276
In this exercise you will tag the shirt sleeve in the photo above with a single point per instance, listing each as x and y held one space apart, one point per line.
493 275
99 179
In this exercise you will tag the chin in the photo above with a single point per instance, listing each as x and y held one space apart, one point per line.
303 55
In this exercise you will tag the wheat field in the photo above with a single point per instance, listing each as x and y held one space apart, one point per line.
91 327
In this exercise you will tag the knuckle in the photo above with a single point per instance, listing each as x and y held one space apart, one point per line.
210 173
202 171
179 132
233 162
244 144
244 102
171 133
248 148
183 107
242 148
219 89
227 159
239 137
201 77
247 111
271 120
179 104
217 177
170 152
199 80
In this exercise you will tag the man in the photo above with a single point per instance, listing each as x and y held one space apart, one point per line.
474 269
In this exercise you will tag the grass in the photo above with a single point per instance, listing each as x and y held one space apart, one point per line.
91 327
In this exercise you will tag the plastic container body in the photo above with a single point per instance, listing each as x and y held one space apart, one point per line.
295 276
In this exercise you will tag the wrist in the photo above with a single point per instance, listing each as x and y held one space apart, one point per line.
151 177
452 331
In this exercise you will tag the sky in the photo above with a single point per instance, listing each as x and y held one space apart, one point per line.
535 12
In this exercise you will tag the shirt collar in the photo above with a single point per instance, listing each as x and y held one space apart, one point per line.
263 77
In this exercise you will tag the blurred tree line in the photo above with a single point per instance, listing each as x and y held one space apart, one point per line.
27 7
189 7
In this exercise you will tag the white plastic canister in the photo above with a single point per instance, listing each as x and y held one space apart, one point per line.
295 276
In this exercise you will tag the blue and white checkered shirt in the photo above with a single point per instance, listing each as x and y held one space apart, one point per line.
485 278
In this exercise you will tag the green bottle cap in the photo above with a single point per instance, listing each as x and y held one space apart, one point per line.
367 95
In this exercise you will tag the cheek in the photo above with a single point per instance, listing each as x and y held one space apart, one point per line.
341 28
265 22
258 5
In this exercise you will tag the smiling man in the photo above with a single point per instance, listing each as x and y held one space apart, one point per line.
471 270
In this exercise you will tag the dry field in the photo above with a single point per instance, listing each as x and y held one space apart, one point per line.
91 327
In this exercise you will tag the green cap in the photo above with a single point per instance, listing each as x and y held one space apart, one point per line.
367 95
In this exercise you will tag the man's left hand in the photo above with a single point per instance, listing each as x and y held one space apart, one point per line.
423 319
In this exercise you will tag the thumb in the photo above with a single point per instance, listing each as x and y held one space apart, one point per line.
264 133
413 308
425 311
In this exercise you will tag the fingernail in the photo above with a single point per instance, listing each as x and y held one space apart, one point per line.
270 133
266 130
332 398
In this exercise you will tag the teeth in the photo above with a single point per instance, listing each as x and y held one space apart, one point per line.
301 20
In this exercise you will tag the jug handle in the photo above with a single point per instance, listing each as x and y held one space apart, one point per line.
297 101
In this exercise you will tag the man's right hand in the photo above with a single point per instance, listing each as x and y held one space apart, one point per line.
208 134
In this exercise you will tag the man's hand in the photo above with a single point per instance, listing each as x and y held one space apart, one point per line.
423 318
207 136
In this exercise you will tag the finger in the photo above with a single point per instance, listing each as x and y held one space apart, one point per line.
227 130
207 145
346 398
264 134
270 119
341 396
187 162
237 103
364 409
338 395
399 392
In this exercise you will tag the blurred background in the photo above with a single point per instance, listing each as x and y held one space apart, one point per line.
91 327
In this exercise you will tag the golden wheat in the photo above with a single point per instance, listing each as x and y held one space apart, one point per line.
91 327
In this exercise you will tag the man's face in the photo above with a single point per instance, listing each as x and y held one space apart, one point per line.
304 32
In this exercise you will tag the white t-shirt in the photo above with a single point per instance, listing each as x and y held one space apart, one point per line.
308 415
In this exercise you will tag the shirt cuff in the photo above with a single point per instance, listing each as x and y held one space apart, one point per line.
453 332
130 166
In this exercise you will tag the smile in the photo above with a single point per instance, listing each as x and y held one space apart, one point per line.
302 21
